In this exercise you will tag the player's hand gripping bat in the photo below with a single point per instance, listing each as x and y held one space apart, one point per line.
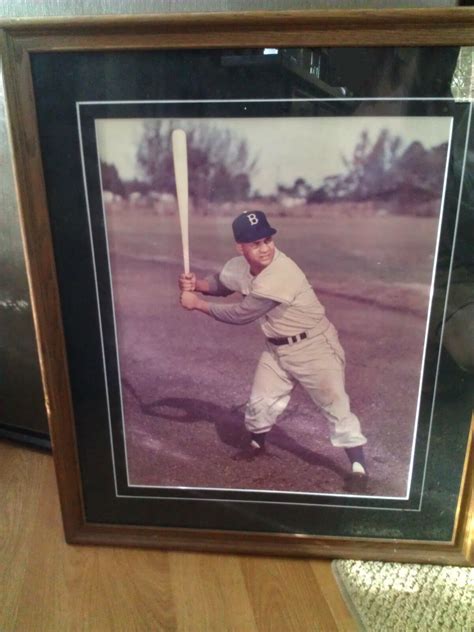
180 160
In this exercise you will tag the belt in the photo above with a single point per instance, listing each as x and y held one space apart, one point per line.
288 341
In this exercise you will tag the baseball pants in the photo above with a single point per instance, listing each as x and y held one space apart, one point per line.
318 365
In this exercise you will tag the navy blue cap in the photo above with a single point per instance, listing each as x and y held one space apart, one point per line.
251 226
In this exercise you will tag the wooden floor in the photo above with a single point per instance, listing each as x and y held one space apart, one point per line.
47 585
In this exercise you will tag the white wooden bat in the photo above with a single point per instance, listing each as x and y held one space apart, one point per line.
180 161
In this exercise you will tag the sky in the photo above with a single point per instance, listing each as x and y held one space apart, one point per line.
287 147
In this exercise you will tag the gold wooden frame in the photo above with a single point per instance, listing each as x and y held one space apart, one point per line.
20 38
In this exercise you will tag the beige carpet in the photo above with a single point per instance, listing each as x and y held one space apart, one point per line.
389 597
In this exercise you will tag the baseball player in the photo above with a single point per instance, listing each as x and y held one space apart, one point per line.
301 345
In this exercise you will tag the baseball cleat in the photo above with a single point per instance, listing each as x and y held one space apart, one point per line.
253 449
249 453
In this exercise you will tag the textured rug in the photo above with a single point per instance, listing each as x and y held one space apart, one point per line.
389 597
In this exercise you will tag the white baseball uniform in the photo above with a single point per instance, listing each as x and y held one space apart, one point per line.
316 362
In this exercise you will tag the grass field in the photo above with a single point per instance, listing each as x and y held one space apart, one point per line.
336 249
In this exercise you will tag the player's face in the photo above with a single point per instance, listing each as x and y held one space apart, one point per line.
259 254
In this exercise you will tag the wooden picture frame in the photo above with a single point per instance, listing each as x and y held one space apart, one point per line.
28 46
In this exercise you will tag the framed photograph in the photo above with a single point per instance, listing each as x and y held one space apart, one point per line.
249 241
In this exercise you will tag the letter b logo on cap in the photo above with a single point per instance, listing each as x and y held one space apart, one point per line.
251 226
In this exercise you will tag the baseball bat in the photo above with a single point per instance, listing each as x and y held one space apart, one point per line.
180 161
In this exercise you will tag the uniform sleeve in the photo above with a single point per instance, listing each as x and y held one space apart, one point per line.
216 287
248 310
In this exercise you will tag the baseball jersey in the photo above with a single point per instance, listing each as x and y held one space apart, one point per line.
296 307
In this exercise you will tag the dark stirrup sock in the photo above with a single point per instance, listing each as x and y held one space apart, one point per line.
356 455
258 439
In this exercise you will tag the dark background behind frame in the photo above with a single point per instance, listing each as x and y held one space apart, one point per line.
60 80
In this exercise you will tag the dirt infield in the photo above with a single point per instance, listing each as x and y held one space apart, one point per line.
186 377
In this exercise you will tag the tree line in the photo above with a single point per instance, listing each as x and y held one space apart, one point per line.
221 166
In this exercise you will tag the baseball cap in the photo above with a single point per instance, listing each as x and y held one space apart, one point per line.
251 226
